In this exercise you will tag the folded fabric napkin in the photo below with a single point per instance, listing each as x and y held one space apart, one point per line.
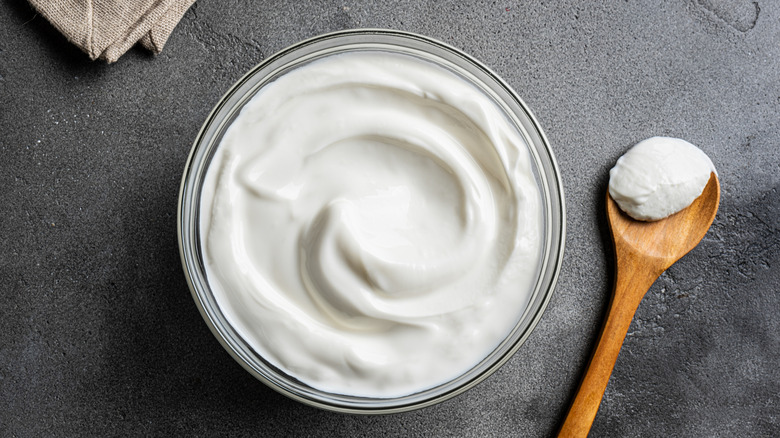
106 29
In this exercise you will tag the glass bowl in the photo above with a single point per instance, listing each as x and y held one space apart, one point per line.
222 116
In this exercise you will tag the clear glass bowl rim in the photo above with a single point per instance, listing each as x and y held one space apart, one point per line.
209 137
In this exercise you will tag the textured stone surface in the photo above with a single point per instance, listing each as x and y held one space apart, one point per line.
99 335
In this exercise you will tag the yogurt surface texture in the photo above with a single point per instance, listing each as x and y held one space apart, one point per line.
371 224
658 177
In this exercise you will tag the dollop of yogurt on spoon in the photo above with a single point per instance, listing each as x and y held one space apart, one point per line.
658 177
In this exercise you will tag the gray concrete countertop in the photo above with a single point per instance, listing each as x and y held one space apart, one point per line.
99 335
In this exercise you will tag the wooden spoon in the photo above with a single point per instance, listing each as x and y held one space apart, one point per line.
643 251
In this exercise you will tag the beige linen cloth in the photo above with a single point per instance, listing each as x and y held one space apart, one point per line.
106 29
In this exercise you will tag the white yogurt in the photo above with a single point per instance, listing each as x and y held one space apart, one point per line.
371 224
659 177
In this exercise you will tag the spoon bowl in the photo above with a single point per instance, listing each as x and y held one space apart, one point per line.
643 251
670 238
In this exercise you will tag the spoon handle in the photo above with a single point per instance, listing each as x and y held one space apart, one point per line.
633 278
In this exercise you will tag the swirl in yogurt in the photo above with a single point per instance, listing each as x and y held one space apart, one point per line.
371 224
